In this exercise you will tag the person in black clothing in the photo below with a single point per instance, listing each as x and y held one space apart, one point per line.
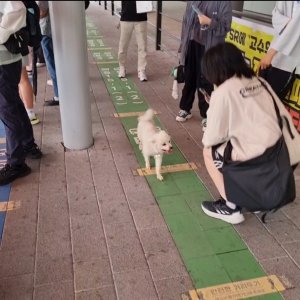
131 20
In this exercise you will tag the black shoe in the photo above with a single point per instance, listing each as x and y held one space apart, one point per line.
219 210
51 102
34 152
9 173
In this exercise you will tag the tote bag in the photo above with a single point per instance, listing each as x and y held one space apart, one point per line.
263 183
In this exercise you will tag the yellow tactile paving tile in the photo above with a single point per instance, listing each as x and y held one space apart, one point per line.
167 169
10 205
240 289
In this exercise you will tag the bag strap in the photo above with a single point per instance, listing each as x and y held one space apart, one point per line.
274 102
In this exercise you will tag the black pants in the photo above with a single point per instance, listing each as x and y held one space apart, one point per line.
194 80
276 78
18 129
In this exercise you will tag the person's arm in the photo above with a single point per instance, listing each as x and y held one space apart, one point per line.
13 19
279 18
285 42
266 61
220 23
183 26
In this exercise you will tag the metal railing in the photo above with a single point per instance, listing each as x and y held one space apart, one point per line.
159 15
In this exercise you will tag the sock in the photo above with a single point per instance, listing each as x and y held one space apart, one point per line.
30 113
230 205
56 98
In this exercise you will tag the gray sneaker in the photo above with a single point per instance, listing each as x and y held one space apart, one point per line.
183 116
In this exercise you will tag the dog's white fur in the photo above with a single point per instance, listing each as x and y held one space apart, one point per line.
152 141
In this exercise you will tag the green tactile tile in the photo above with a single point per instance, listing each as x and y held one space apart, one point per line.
188 236
162 188
103 56
207 271
173 205
241 265
95 43
274 296
189 183
92 32
224 240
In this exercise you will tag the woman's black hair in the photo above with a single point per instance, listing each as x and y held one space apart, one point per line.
224 61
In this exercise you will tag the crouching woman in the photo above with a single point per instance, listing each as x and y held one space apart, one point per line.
241 112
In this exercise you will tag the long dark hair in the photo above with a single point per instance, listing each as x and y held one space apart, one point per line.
224 61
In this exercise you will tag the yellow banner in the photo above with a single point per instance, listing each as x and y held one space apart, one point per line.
254 40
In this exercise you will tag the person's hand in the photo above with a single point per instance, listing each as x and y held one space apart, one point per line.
266 61
204 20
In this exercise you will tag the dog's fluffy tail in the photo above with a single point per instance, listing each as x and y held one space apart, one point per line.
147 116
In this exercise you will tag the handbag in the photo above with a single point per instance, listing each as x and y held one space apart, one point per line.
263 183
178 73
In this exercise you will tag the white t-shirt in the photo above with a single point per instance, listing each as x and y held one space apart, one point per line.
296 7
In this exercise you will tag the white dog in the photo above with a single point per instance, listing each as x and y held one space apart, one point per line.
152 141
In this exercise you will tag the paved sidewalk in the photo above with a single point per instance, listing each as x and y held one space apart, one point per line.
88 228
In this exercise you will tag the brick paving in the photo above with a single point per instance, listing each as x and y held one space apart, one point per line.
83 231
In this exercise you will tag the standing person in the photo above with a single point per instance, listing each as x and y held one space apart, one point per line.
283 55
131 20
239 113
19 135
47 47
215 21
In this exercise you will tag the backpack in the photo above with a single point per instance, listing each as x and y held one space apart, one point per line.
33 23
30 35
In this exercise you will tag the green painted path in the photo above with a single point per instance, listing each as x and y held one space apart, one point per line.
212 250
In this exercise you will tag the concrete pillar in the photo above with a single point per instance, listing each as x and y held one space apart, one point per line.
70 51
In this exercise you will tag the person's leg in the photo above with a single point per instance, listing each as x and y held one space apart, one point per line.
221 209
126 29
213 172
189 89
141 39
13 115
50 63
26 95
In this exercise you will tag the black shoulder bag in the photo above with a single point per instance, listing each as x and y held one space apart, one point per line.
264 183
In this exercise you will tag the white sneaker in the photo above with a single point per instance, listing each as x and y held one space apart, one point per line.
49 82
204 124
183 116
122 72
142 75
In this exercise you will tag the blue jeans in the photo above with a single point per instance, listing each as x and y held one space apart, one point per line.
18 129
49 58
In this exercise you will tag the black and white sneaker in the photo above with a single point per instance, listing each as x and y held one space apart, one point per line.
183 116
219 210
